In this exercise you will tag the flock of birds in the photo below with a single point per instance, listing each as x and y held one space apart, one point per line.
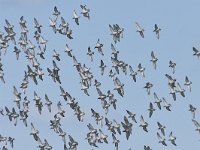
95 136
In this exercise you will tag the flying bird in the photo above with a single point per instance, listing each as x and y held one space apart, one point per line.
85 11
143 124
131 115
76 17
161 139
151 109
161 128
157 31
133 73
188 83
167 105
172 65
157 100
197 125
153 59
141 69
192 109
99 47
56 13
90 53
196 52
148 87
102 67
172 138
139 29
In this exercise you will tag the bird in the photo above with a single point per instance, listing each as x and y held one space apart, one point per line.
56 55
166 104
172 65
97 84
115 141
151 109
143 124
68 50
112 74
102 136
153 59
41 52
161 128
36 36
180 90
148 87
116 32
85 11
141 69
41 145
24 117
85 87
139 29
14 115
111 126
62 134
157 100
72 144
90 53
38 102
192 109
157 31
56 13
114 51
115 65
147 147
196 52
127 127
64 25
2 77
17 51
98 118
133 73
69 34
102 96
48 103
47 146
76 17
9 25
102 67
197 125
61 111
119 87
34 132
171 81
53 24
188 83
17 96
37 25
8 113
11 140
117 126
43 42
172 138
99 47
161 139
173 93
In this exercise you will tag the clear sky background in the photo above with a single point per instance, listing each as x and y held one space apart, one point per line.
179 21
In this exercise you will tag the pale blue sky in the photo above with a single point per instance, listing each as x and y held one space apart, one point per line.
179 21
